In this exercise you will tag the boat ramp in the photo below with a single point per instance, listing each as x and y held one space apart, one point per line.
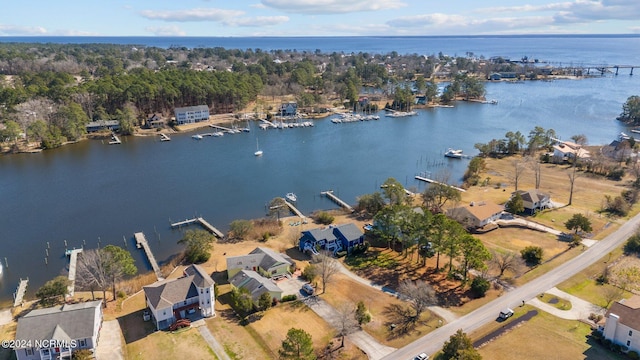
205 224
73 261
141 242
337 200
431 181
19 294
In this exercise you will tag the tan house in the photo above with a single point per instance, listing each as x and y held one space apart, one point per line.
262 260
476 214
566 150
623 323
534 200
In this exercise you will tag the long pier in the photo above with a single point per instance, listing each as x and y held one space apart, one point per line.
221 128
19 294
337 200
205 224
73 261
141 242
294 209
431 181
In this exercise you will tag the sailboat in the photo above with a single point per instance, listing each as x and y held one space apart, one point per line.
258 151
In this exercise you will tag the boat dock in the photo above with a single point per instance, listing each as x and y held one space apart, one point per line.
19 294
431 181
337 200
115 140
205 224
73 260
294 209
221 128
141 242
164 137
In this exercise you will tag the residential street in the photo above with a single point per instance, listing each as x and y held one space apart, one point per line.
434 341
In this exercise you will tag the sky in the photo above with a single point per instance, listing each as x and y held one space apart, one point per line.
316 17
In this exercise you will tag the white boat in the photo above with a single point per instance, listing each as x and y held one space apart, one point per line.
451 153
258 151
196 137
291 197
217 134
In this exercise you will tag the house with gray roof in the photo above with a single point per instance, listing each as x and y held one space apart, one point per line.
534 200
262 260
256 285
171 300
333 238
56 332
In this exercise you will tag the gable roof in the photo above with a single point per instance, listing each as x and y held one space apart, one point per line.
200 277
168 292
480 210
533 196
67 322
627 309
262 257
350 231
322 234
252 281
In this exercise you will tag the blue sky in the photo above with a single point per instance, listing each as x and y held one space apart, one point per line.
316 17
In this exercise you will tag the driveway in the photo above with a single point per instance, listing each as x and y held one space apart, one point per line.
208 337
110 343
580 309
291 286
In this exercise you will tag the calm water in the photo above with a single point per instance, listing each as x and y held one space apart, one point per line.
92 192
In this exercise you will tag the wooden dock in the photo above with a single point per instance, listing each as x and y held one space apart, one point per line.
73 261
115 140
141 242
294 209
19 294
205 224
337 200
431 181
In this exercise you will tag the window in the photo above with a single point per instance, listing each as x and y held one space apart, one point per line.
200 291
628 342
185 302
83 343
207 301
29 351
630 332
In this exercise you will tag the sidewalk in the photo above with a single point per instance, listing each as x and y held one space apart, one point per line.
208 337
110 344
580 309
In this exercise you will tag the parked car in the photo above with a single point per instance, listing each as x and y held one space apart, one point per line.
505 314
368 227
308 289
421 356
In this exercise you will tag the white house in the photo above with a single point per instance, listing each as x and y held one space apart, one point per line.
170 300
534 200
566 150
623 323
54 333
191 114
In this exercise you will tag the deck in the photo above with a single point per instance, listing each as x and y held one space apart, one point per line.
19 294
73 261
337 200
205 224
431 181
141 242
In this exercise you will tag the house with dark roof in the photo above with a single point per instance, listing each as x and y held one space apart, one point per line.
623 323
262 260
56 332
98 125
333 238
534 200
288 109
171 300
256 285
476 214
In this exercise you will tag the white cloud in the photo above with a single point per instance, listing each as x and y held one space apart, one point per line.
187 15
317 7
22 30
457 24
258 21
258 6
635 29
171 30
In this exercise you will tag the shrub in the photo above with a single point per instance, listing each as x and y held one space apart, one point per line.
324 218
480 286
633 355
616 174
288 298
310 272
340 254
121 294
633 245
532 255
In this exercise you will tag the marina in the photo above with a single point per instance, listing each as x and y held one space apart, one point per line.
337 200
141 242
199 220
73 261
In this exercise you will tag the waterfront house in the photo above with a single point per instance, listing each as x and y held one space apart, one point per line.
171 300
333 238
93 126
191 114
534 200
623 323
567 150
476 214
288 109
56 332
155 122
262 260
256 285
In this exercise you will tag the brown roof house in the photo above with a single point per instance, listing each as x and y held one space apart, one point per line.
56 332
170 300
623 323
566 150
476 214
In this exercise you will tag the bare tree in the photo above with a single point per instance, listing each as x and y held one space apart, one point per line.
537 169
327 267
346 320
572 180
91 272
420 295
610 294
518 168
503 261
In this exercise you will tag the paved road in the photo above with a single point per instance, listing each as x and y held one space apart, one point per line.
433 341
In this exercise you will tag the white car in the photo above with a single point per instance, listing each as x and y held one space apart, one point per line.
421 356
